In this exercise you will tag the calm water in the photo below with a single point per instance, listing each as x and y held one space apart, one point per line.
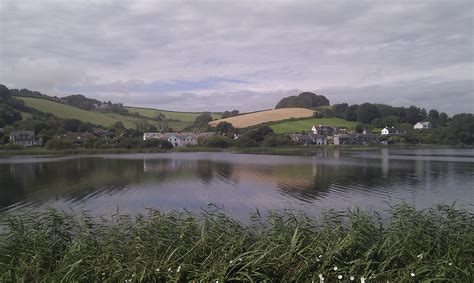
239 183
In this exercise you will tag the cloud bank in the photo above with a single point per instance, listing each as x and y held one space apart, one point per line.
246 55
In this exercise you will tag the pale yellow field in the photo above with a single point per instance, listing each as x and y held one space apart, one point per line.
252 119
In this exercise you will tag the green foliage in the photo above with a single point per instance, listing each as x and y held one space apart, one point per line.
461 128
277 140
424 246
366 113
303 100
59 143
203 120
244 141
225 128
215 141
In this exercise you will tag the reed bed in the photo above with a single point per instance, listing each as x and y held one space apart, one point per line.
435 244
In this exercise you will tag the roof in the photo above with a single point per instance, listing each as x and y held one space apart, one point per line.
15 133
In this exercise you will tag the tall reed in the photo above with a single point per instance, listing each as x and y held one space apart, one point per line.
436 244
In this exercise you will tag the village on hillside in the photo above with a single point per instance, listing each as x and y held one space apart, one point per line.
317 135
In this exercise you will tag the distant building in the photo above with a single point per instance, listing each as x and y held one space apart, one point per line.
177 139
25 138
310 139
103 134
323 130
422 126
392 131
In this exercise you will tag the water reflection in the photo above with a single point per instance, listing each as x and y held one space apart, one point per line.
238 182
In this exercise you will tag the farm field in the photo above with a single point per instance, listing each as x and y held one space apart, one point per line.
256 118
175 115
104 119
306 124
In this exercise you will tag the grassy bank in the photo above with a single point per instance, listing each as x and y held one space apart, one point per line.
411 246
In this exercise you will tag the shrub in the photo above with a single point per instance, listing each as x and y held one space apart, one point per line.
244 141
216 141
59 143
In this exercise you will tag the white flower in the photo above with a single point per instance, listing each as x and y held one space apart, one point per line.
179 268
412 274
318 260
420 256
362 280
157 269
450 263
240 259
231 261
133 275
352 278
320 276
335 268
339 277
103 273
169 269
320 256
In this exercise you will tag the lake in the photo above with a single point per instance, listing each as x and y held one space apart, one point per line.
238 183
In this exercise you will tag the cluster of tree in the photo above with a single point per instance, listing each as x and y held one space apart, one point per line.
228 114
381 115
304 100
227 135
30 93
103 143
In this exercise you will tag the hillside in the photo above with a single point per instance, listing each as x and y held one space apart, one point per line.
104 119
306 124
266 116
174 115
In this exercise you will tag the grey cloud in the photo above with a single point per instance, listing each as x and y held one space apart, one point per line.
274 47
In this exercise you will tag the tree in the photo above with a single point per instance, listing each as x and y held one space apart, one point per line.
366 113
351 113
71 125
461 128
203 119
305 100
4 93
225 128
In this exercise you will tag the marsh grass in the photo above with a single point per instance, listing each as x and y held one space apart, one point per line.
429 245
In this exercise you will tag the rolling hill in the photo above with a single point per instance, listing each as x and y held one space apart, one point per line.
256 118
175 115
104 119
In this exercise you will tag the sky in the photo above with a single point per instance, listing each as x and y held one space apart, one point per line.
245 55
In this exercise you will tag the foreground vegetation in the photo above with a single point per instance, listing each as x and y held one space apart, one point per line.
433 245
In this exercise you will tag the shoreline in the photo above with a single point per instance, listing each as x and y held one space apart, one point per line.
285 150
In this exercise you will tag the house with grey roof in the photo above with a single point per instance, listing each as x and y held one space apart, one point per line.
25 138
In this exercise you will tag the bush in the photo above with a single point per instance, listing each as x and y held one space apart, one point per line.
277 140
12 147
59 143
244 141
216 141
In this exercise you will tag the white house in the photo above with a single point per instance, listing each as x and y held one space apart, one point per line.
422 126
176 139
392 131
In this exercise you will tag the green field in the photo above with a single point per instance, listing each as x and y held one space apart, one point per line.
175 115
306 124
104 119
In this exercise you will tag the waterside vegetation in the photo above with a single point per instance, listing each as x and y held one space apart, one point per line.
410 246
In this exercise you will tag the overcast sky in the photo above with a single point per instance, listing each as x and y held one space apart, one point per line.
246 55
